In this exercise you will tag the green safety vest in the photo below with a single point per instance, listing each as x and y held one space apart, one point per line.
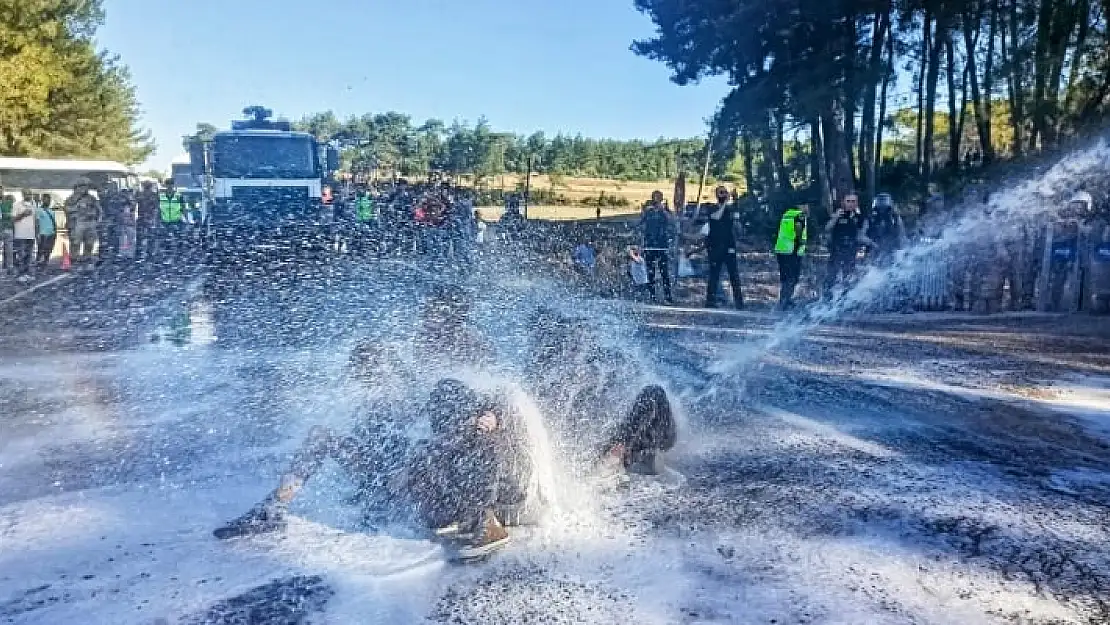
365 209
171 208
788 233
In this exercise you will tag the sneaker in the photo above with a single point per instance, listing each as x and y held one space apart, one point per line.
259 520
490 538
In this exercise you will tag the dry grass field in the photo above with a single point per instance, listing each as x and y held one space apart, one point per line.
578 189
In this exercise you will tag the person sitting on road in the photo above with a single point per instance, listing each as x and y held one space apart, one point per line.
617 418
472 477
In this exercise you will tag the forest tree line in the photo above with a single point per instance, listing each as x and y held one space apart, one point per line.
59 95
820 87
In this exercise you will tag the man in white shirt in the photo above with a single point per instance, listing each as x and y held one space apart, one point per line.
23 225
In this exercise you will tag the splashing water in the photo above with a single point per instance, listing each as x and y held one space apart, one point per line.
1028 203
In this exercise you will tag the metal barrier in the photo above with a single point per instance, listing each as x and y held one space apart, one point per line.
928 288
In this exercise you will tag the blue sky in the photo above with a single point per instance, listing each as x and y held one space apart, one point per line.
551 65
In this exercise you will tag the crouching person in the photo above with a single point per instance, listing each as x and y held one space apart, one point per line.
602 395
645 435
467 482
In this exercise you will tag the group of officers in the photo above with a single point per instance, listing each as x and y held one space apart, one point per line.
1054 260
1045 258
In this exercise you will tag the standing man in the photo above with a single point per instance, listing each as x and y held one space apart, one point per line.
47 228
23 229
843 232
171 207
790 248
721 245
112 202
366 217
883 231
84 215
656 225
146 226
7 204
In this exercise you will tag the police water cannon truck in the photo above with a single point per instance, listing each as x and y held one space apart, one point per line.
264 185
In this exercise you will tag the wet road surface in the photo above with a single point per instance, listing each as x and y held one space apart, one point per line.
903 469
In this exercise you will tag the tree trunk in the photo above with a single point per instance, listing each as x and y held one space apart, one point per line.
840 167
972 25
888 70
1040 73
1083 15
782 180
926 45
953 126
960 124
822 165
1066 19
986 138
749 172
867 125
931 98
850 95
1015 85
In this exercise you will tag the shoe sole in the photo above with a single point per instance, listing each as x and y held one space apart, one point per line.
225 533
477 552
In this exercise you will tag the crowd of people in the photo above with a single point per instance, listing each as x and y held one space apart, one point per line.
474 475
105 224
1000 268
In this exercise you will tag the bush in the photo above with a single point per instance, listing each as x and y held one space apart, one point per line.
606 201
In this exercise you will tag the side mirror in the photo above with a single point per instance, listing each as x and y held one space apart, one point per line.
333 160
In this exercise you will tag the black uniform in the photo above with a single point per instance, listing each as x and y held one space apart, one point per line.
721 246
843 246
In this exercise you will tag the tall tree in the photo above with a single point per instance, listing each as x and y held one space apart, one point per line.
59 96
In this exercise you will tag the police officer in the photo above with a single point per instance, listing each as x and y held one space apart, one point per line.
883 231
721 245
1066 263
1099 238
171 208
843 234
790 248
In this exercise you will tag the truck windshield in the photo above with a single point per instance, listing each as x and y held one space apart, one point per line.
263 157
